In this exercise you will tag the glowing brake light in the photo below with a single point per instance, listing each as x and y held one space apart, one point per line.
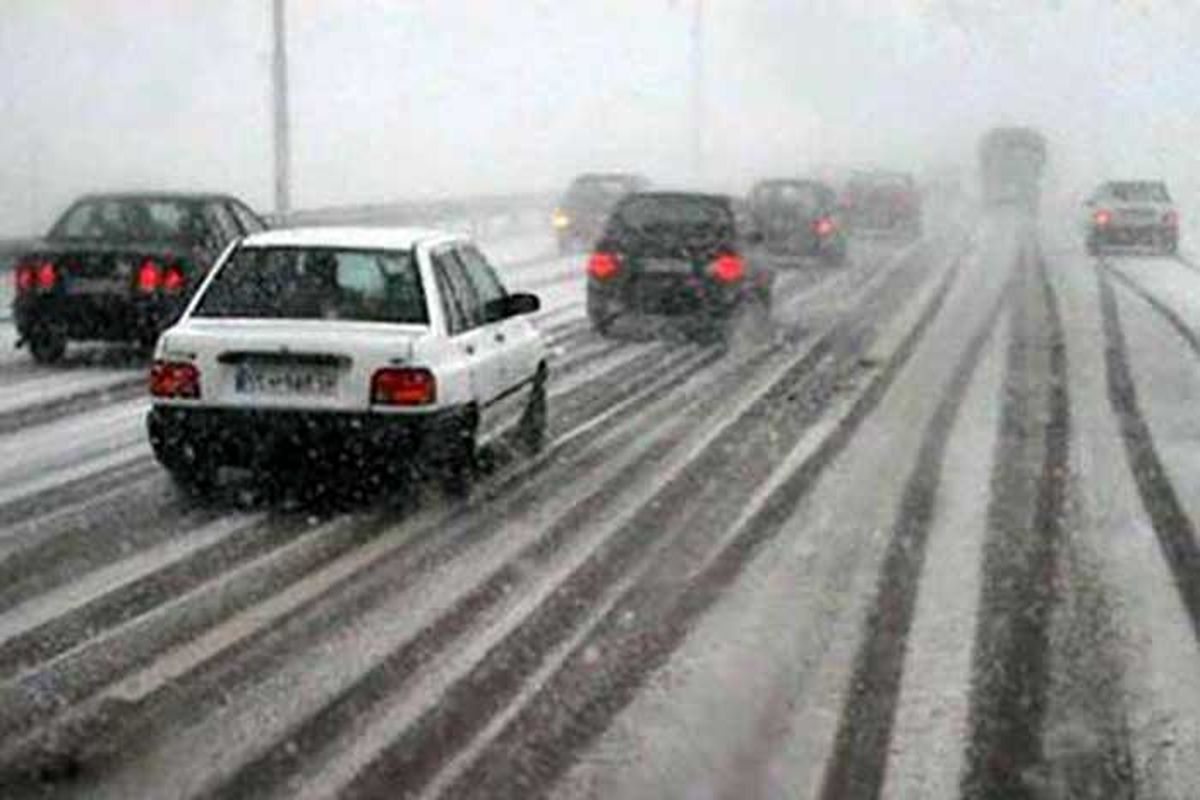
728 268
47 275
406 386
823 226
173 279
149 276
175 379
25 277
1102 218
603 266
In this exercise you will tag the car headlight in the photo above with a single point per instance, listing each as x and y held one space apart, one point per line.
561 220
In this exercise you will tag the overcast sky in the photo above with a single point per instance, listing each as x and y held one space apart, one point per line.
442 97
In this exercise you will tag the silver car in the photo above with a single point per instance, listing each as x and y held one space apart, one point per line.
1132 213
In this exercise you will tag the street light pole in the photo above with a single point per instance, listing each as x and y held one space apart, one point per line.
698 89
279 86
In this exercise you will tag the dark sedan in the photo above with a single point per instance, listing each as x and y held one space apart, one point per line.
120 267
680 255
799 217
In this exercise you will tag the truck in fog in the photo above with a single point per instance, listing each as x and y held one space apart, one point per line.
1011 162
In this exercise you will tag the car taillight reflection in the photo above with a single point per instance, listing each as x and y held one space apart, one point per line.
175 379
603 266
728 268
407 386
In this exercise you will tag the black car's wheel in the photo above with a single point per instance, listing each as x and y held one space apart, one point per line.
47 345
458 462
599 315
531 431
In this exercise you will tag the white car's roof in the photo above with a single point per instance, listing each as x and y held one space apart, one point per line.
348 237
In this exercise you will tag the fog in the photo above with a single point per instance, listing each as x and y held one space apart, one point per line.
432 99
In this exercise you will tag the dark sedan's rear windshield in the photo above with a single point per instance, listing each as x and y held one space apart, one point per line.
1140 192
317 283
598 190
122 219
684 215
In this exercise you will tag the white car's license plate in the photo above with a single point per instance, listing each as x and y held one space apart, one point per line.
668 265
286 381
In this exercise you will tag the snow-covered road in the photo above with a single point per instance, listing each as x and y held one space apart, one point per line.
932 537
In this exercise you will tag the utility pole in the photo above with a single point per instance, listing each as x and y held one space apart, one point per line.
698 90
279 87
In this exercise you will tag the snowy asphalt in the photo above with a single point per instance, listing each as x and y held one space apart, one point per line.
930 534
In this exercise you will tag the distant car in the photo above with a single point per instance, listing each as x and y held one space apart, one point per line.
583 209
677 254
882 202
1132 213
120 267
799 217
365 350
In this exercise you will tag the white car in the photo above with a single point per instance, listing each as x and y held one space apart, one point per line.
369 349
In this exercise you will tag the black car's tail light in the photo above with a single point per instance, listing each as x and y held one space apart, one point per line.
603 266
728 268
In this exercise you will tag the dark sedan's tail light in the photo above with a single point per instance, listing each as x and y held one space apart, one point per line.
1171 218
175 379
149 276
728 268
47 275
1102 218
405 386
25 277
823 226
603 266
173 279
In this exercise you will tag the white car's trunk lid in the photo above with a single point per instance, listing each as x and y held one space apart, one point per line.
288 364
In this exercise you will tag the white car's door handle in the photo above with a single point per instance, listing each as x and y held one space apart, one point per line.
500 337
469 349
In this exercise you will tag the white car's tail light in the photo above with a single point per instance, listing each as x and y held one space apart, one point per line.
404 386
175 379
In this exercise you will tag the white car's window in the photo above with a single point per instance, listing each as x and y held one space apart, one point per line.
481 275
317 283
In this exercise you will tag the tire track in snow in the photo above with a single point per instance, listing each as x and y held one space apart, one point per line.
1175 530
1011 657
859 759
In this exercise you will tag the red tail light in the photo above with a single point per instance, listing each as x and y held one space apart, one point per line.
406 386
174 379
173 279
1102 217
150 276
47 275
1171 219
603 266
823 226
26 277
728 268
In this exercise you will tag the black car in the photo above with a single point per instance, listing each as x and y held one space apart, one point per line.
677 254
581 214
799 217
120 267
886 203
1123 213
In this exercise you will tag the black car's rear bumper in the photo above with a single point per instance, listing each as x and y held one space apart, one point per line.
1134 234
105 317
185 437
665 295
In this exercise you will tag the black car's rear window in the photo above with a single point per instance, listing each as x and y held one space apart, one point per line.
598 190
674 214
317 283
132 219
1147 192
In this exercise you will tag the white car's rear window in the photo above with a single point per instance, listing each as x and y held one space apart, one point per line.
317 283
